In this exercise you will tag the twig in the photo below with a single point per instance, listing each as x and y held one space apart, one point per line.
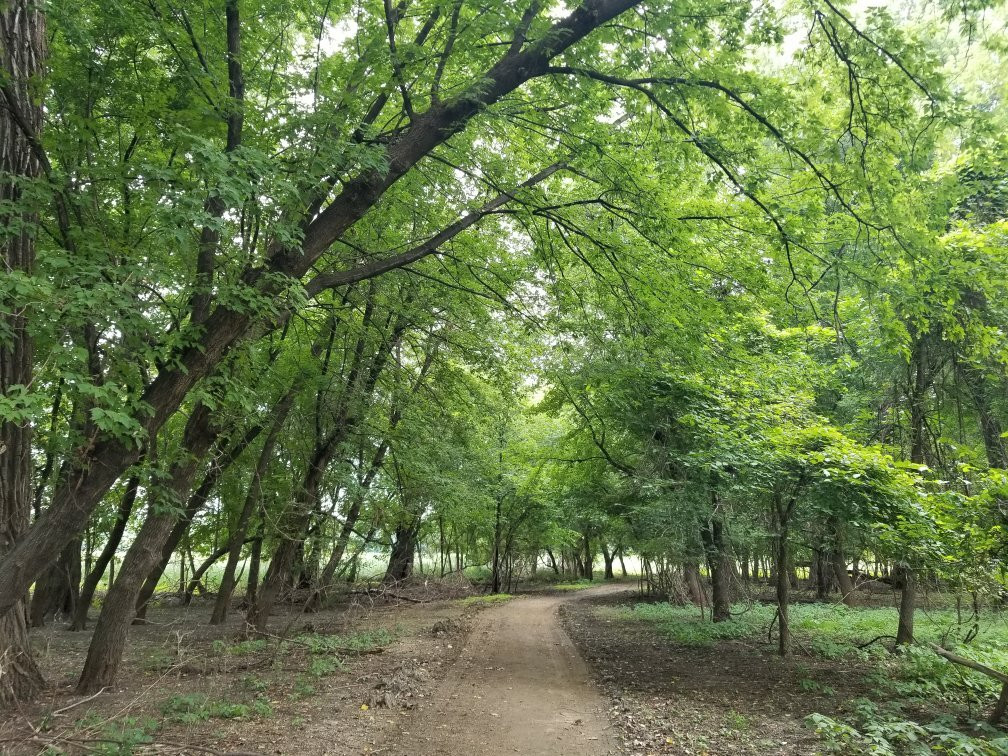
78 703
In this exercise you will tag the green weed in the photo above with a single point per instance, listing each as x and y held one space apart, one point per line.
194 707
117 737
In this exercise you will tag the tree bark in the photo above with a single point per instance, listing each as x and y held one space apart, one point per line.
607 559
119 607
712 535
919 381
252 502
94 577
400 564
22 55
694 585
843 577
57 590
782 555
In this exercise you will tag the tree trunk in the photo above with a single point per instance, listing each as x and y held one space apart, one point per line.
782 556
694 585
291 535
57 590
607 558
495 577
22 55
908 595
990 426
255 560
712 535
400 564
622 564
843 578
198 572
918 388
197 500
108 552
252 501
329 571
119 607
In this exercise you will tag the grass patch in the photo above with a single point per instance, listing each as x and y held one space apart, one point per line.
116 737
575 585
362 642
492 598
918 687
195 707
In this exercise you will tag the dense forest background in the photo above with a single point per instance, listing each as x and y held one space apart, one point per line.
710 288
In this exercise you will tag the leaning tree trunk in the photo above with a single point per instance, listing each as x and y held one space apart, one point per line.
253 498
101 564
22 37
119 608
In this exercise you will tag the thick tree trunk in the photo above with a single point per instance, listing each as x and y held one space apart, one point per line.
109 640
400 564
607 559
694 584
22 55
712 535
108 552
58 589
119 607
843 578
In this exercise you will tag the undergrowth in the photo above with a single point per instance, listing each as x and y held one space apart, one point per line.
919 688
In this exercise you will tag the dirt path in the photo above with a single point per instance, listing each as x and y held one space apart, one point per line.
519 686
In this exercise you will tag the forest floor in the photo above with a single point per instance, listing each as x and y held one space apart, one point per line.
560 670
333 682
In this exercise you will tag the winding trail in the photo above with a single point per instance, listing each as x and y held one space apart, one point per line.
519 686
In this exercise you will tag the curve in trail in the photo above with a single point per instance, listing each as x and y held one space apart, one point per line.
519 686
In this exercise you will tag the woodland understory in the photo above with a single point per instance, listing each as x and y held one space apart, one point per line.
319 318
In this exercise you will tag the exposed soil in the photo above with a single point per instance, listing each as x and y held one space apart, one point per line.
446 678
731 698
519 686
300 702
